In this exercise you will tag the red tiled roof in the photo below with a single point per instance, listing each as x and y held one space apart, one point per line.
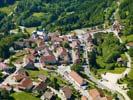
47 58
56 39
94 93
2 66
77 78
26 82
67 92
130 44
62 51
84 98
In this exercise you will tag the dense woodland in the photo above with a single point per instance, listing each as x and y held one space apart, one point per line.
54 15
126 15
107 50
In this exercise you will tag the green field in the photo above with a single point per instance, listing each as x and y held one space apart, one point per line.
38 15
8 9
31 29
128 38
33 74
23 96
115 71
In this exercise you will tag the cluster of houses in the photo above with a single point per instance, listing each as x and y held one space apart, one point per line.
45 51
25 83
53 49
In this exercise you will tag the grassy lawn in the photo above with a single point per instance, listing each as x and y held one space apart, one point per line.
18 57
128 38
115 71
34 74
130 75
8 9
23 96
123 56
31 29
39 15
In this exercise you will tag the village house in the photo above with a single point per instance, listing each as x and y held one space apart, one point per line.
75 56
47 96
130 44
62 55
30 66
96 95
41 49
25 84
66 92
64 38
75 77
75 44
121 62
28 59
42 78
89 41
84 98
117 26
47 60
56 39
24 43
40 87
19 45
7 87
20 74
3 66
40 34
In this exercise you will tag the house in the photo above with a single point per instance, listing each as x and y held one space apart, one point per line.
25 43
75 44
40 48
7 87
84 98
66 92
41 34
10 70
90 46
30 66
121 62
56 39
42 78
20 74
96 95
62 55
18 45
47 60
74 76
25 84
130 44
28 59
3 66
75 56
88 37
40 88
47 96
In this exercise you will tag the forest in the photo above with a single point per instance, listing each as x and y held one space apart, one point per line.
62 15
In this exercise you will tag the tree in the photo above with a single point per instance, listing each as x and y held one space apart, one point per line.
4 94
112 57
77 67
130 52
